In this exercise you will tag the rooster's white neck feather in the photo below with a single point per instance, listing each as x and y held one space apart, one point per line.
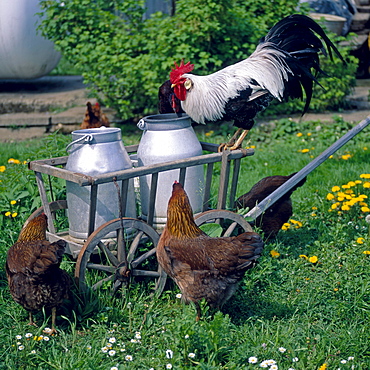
206 100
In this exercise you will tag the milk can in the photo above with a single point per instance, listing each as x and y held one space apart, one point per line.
93 152
167 137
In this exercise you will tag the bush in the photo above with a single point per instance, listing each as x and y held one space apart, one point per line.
125 58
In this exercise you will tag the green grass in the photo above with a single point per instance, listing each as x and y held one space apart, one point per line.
315 312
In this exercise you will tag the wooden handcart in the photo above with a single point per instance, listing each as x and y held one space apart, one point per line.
131 253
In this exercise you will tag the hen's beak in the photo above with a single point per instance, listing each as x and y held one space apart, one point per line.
173 85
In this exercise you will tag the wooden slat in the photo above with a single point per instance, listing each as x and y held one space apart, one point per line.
182 176
92 210
45 202
207 187
224 179
84 180
152 196
234 182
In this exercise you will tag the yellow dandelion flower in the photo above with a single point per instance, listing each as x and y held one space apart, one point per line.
323 366
299 134
314 208
2 168
351 183
330 196
285 226
303 256
305 150
313 214
336 289
335 189
7 214
360 240
345 186
309 134
331 157
340 199
274 254
364 148
209 133
11 160
366 252
365 209
335 205
363 196
345 208
14 214
25 162
313 259
12 202
358 182
366 185
346 156
365 176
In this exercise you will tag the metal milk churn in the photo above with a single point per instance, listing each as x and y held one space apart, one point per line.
93 152
167 137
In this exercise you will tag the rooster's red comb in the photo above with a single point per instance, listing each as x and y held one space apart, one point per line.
180 70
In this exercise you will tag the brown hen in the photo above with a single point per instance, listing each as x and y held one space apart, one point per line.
275 216
32 267
201 266
94 117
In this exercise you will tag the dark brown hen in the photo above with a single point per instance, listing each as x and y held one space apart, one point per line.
275 216
32 267
94 117
201 266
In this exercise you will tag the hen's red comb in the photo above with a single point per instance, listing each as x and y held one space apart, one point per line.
180 70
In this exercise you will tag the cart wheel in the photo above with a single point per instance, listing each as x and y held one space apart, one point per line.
133 238
223 217
54 206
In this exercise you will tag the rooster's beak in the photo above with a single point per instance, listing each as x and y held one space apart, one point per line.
173 85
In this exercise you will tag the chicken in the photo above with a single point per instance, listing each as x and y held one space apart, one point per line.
168 102
32 267
201 266
279 68
275 216
94 117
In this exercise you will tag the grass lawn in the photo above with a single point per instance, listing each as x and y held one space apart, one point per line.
306 305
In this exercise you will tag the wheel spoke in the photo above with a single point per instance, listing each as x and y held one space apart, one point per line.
96 266
111 257
143 257
145 273
135 243
102 281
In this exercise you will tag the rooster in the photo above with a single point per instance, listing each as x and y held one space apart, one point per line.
201 266
32 267
94 117
275 216
279 68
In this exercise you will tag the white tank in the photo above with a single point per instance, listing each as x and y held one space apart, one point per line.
24 53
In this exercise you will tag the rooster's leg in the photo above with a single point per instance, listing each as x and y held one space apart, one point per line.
31 320
53 317
235 142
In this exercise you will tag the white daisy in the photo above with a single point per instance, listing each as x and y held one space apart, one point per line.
112 352
112 340
252 360
128 358
28 335
168 366
191 355
178 295
282 349
18 337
